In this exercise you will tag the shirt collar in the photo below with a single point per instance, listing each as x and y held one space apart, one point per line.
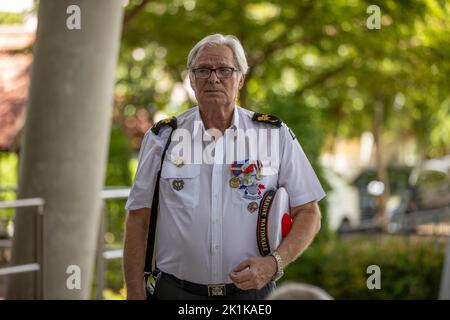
234 123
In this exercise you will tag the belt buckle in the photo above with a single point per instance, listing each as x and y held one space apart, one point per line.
216 290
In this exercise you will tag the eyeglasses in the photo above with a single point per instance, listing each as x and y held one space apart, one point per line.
221 73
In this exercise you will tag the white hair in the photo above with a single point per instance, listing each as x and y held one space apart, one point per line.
218 40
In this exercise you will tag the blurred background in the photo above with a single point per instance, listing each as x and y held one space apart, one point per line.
370 106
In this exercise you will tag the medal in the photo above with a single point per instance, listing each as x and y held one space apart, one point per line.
252 206
244 174
258 175
259 166
246 180
253 192
248 168
234 182
236 167
252 189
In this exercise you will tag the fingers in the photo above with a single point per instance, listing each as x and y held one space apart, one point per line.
239 277
259 272
244 280
246 285
241 266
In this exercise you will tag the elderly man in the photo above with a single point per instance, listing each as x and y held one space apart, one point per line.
208 210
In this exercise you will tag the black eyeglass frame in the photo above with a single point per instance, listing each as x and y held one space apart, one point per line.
211 70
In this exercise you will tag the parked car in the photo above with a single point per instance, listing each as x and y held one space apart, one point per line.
428 190
369 189
343 204
430 185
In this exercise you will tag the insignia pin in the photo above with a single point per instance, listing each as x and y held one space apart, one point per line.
178 184
252 206
178 162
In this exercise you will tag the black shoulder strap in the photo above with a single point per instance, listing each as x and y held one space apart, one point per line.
148 268
267 118
171 122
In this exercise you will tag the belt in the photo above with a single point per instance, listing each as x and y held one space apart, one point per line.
209 290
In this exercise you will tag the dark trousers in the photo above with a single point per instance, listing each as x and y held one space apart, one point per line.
168 289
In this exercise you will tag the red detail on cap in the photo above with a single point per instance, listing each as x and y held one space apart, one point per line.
286 224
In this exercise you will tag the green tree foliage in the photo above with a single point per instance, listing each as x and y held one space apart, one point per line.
9 18
321 55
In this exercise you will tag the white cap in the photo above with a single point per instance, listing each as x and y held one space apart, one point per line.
274 220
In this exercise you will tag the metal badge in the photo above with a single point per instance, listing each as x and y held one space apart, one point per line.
235 182
178 184
178 162
252 206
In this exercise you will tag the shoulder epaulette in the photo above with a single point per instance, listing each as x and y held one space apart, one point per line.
267 118
171 122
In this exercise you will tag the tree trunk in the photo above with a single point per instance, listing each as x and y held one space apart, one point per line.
65 146
380 164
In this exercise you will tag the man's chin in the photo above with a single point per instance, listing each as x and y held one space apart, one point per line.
214 102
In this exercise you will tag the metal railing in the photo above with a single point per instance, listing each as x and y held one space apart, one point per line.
417 218
102 254
38 265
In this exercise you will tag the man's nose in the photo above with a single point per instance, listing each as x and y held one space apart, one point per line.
213 77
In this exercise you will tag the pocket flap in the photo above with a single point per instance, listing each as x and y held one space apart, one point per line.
170 170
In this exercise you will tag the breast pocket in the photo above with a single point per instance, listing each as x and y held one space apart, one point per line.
180 186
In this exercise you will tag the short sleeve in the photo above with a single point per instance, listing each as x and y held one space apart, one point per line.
141 194
296 174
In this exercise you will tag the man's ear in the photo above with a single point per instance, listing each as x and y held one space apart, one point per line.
192 81
241 81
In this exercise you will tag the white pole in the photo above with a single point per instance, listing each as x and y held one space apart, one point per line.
444 292
64 151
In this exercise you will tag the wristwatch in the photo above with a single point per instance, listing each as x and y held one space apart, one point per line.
280 266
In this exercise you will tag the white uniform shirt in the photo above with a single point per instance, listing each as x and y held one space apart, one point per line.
205 229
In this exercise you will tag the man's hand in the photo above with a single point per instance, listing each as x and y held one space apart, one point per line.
254 273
